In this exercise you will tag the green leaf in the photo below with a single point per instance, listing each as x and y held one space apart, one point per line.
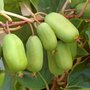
60 5
80 76
48 6
9 82
35 3
1 5
19 87
88 35
76 22
12 6
37 82
81 51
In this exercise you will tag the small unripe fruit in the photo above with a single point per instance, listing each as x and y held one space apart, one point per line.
47 36
62 27
14 53
34 52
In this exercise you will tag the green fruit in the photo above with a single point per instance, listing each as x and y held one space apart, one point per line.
86 13
73 49
52 65
76 2
2 75
34 51
14 53
63 56
62 27
47 36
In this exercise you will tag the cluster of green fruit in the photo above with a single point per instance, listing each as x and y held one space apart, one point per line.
57 35
78 5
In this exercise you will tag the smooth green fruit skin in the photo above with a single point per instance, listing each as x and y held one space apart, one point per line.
2 76
14 53
73 49
74 3
52 65
34 51
63 56
86 13
47 36
62 27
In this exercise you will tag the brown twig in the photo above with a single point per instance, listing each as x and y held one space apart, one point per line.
83 9
77 62
11 29
80 14
69 16
61 78
18 23
54 84
64 6
59 81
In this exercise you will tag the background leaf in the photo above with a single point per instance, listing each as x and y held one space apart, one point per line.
48 5
88 35
9 82
80 76
81 51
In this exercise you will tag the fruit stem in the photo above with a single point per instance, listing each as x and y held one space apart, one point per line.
32 30
42 13
47 87
11 29
62 77
31 13
77 62
17 16
6 16
64 6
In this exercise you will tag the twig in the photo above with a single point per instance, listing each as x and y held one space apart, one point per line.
77 62
61 78
31 29
40 13
18 23
69 10
16 15
11 29
54 84
6 16
64 6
